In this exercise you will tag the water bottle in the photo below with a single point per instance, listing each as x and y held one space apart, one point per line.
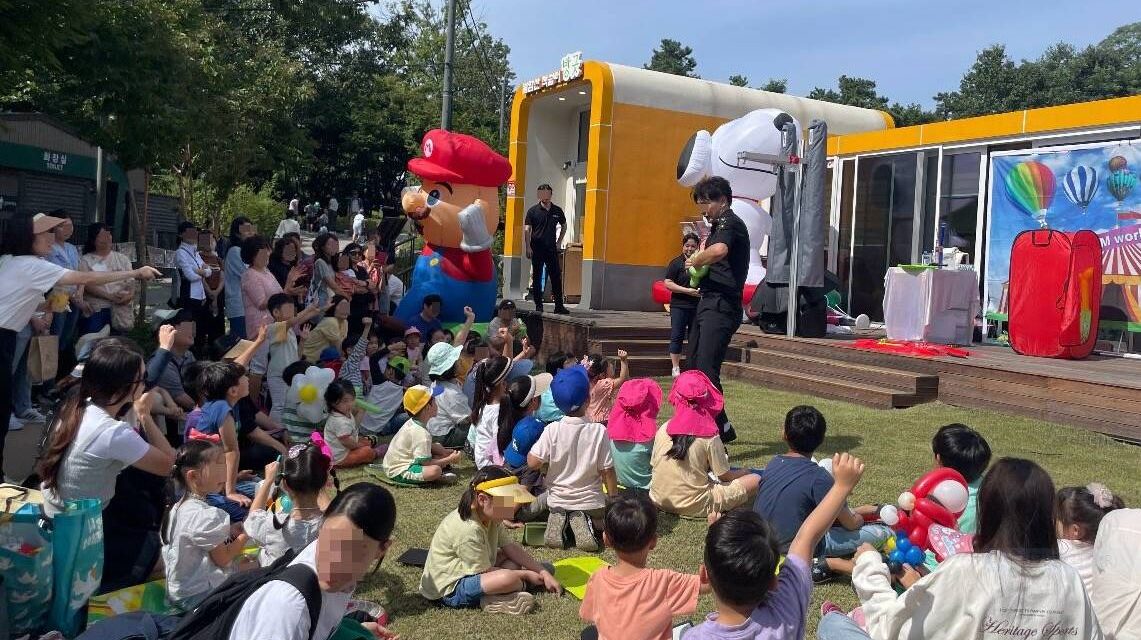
940 242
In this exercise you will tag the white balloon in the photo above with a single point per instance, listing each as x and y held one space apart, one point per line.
906 501
952 495
890 515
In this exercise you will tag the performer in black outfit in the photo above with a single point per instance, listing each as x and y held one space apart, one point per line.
543 231
719 312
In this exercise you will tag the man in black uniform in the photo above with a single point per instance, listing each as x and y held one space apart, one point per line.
719 312
543 231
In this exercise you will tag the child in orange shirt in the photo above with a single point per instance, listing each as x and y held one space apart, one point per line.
630 601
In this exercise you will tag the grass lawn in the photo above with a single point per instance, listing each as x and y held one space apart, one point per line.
894 444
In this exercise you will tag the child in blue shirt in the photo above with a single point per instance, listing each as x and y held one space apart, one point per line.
795 485
522 400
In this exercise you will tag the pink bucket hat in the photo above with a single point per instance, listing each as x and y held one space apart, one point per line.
696 403
635 413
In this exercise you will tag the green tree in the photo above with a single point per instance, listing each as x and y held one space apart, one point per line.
775 85
738 80
673 57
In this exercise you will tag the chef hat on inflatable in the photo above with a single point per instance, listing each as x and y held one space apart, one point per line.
696 160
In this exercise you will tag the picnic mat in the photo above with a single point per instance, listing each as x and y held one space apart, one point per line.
574 573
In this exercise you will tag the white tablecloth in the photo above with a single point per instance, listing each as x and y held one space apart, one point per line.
933 305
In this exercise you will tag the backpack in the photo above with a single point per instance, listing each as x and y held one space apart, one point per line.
215 617
175 300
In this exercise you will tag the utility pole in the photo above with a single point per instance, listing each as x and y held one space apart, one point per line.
502 106
449 54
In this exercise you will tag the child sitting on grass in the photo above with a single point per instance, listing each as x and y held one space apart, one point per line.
1013 585
741 557
519 407
577 455
629 600
473 562
453 413
632 425
959 447
342 431
603 385
1079 511
794 484
388 396
691 476
412 458
200 548
302 476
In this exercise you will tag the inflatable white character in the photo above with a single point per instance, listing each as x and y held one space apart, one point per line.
716 155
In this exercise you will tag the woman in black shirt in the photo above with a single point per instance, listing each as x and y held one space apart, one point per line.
683 299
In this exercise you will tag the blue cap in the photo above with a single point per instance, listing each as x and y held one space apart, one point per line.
520 368
571 389
329 353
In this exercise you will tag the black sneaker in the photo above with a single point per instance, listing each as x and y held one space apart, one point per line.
821 574
538 307
562 311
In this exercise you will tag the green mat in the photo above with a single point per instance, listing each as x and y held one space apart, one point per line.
574 573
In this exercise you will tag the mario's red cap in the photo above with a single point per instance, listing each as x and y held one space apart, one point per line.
460 158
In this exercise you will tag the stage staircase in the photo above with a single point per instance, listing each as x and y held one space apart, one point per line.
824 368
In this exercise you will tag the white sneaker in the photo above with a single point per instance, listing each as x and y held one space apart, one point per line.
15 424
32 415
676 372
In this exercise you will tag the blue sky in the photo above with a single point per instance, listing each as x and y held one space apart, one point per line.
911 48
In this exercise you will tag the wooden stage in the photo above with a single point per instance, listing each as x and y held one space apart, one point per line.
1100 393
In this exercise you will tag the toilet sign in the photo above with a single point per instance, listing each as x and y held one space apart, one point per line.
569 69
510 188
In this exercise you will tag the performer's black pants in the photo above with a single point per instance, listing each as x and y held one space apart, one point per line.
548 258
718 317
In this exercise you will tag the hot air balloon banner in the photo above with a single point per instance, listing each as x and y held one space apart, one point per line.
1090 186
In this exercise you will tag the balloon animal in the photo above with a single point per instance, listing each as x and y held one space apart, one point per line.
715 154
308 391
938 497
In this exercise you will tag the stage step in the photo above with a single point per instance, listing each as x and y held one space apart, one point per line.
833 349
827 386
630 333
835 369
610 347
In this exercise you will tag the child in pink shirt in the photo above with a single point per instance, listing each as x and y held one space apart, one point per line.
603 385
630 601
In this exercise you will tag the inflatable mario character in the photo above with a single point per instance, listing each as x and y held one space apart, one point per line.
456 209
715 154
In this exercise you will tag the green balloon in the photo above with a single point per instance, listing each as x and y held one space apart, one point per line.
696 274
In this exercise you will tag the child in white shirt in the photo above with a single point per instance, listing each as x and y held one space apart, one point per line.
342 429
200 548
302 476
1079 511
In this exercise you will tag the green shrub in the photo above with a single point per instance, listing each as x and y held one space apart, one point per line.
258 206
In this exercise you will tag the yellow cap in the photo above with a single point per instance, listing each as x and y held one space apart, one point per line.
418 397
508 487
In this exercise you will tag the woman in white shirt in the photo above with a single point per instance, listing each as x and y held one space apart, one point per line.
24 279
233 268
352 542
95 438
110 304
1013 585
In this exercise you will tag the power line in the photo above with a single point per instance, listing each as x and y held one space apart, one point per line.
485 67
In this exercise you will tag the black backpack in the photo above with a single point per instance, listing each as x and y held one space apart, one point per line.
214 618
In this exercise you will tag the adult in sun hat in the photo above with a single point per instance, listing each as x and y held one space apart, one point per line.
472 562
449 427
412 458
456 209
688 450
631 427
25 276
